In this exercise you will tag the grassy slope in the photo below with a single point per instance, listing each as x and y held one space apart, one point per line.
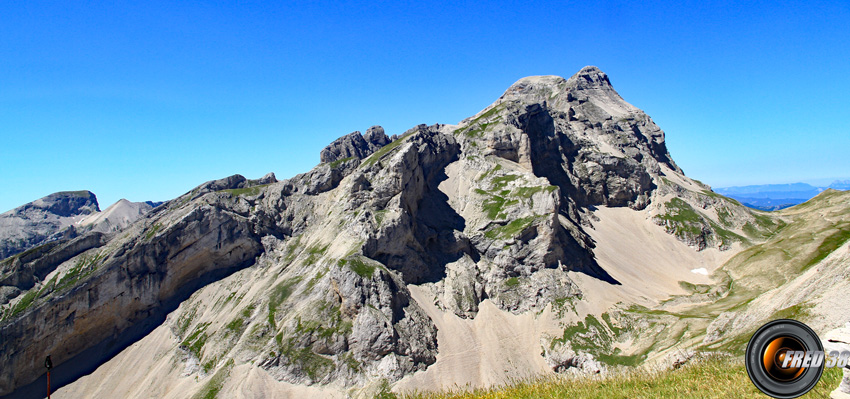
719 379
815 229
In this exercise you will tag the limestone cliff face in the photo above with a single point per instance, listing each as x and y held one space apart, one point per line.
579 134
496 208
111 288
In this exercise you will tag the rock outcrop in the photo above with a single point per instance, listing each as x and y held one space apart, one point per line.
355 145
43 220
838 340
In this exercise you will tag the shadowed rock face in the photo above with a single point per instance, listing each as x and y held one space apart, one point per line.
493 208
141 280
43 219
580 134
355 145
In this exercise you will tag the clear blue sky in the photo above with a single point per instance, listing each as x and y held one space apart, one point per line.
146 101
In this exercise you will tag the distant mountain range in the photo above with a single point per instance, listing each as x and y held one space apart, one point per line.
771 197
62 216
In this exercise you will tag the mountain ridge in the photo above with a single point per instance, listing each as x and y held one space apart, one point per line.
770 197
63 215
43 219
368 267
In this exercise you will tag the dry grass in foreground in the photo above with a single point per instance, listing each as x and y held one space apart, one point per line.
720 378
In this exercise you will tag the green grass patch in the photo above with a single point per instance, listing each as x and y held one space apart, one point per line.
715 378
497 199
726 237
751 231
213 387
512 282
725 216
24 256
318 276
314 253
185 320
379 216
501 181
763 226
680 211
490 112
291 249
377 155
828 246
84 266
357 265
489 172
209 365
247 191
233 296
494 205
195 342
474 131
25 302
349 361
152 231
714 195
30 298
279 294
598 337
563 305
695 288
681 219
767 222
235 326
511 229
314 365
238 324
737 344
527 192
335 164
478 129
800 311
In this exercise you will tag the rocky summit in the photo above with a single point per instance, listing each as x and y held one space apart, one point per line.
39 221
552 232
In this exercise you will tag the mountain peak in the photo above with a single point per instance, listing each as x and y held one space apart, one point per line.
67 203
588 85
589 77
41 220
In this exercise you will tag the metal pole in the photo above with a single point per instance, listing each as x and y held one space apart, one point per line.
48 364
